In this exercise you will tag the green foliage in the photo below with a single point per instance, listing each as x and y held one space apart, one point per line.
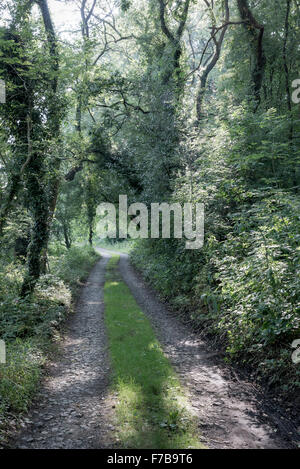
74 266
243 286
168 266
20 376
38 315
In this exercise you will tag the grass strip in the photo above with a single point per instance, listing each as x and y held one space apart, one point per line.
151 411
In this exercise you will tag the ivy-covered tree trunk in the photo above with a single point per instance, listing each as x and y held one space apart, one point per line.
40 212
43 194
16 112
91 204
54 121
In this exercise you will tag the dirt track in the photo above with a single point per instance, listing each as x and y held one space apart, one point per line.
74 410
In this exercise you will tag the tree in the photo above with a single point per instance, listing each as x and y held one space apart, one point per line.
42 202
255 31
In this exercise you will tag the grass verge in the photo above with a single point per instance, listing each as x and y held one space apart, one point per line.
152 409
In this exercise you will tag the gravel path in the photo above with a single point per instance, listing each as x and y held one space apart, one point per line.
72 409
231 413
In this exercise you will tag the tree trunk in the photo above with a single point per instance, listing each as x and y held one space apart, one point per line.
256 33
40 210
91 234
66 236
42 205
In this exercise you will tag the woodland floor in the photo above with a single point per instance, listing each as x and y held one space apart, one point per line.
74 408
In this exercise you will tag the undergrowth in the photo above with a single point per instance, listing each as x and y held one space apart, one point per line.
243 287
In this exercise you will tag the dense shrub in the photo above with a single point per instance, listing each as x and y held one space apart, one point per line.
244 285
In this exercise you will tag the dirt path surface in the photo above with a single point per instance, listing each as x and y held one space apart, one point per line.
72 409
231 413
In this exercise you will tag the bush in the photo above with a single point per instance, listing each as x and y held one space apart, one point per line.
74 265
